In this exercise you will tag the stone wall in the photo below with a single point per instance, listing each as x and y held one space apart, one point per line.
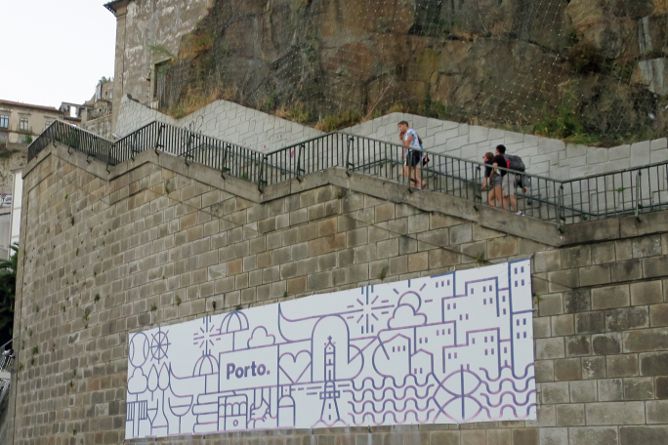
100 125
158 242
222 119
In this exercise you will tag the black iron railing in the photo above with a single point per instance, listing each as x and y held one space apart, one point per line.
631 191
226 157
7 360
74 138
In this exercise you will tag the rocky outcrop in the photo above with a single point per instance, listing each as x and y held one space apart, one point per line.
579 67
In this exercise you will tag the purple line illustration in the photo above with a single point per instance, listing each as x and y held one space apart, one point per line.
452 348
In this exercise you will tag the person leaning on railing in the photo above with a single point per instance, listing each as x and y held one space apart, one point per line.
492 181
412 152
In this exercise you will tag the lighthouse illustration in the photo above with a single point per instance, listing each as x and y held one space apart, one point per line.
329 414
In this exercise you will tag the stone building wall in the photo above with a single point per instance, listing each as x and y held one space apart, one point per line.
100 126
148 32
158 242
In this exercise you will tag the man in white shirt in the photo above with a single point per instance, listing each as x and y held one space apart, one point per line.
412 153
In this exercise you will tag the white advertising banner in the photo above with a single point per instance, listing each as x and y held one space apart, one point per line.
451 348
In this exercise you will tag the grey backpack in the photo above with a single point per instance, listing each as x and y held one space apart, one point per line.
515 163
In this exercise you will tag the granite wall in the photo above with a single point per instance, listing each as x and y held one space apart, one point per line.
157 242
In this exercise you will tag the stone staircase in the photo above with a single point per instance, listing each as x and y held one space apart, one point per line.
624 192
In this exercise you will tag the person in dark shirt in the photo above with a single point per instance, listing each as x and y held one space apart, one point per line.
510 181
493 179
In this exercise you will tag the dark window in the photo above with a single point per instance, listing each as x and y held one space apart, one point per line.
160 82
4 121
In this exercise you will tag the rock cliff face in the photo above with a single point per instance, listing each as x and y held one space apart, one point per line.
565 68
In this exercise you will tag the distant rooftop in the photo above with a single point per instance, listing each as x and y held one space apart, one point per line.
62 114
10 103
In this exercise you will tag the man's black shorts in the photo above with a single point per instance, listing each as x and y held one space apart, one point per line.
413 158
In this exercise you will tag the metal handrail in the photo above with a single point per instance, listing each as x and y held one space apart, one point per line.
6 363
6 357
73 137
632 191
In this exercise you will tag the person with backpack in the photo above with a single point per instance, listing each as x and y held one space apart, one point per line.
512 180
412 154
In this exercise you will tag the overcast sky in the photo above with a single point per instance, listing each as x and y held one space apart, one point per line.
54 51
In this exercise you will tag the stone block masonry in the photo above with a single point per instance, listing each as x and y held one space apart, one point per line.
156 242
222 119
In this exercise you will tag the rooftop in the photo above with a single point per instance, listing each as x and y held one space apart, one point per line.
10 103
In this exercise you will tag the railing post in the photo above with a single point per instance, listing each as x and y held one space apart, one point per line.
299 170
638 194
262 182
111 146
158 142
90 151
350 166
560 208
188 145
223 169
68 140
52 134
133 145
477 188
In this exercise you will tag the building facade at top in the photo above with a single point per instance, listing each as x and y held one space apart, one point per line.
96 112
20 123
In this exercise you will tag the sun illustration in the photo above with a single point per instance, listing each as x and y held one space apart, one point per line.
368 309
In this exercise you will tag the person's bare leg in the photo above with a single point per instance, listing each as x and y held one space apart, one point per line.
503 198
510 188
418 177
498 196
513 203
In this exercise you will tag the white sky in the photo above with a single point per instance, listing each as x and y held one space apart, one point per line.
54 51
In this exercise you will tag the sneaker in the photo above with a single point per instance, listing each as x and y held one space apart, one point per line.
519 213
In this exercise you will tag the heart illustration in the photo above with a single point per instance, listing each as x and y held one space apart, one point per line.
294 366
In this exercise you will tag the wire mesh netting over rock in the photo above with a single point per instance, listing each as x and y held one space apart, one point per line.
588 70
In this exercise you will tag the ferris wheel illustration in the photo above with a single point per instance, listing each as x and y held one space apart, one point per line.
160 344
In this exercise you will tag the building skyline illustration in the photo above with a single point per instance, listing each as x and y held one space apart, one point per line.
439 349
